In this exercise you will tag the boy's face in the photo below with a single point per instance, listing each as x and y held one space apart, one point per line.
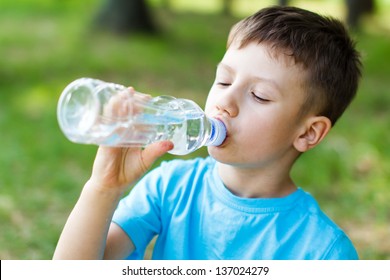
258 96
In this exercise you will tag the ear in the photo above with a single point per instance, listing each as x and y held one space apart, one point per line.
313 131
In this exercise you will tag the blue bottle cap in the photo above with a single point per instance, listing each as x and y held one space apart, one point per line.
218 133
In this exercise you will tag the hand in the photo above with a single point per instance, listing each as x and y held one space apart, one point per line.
117 168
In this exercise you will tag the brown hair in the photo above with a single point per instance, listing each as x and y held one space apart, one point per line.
321 44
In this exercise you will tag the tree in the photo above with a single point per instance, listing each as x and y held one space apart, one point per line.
283 2
125 16
227 7
358 8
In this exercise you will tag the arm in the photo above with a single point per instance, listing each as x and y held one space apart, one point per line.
85 233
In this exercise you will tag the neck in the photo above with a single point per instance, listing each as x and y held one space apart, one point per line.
256 183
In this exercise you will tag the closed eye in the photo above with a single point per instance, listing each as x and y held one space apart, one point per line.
223 84
259 99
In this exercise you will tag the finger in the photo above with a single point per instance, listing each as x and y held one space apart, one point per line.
154 151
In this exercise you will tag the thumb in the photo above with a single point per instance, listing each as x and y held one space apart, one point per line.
154 151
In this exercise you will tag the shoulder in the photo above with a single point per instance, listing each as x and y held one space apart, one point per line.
178 174
325 231
183 169
187 164
318 216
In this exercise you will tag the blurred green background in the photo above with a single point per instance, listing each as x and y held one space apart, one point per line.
45 44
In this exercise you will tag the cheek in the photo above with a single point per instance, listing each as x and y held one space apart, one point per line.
266 128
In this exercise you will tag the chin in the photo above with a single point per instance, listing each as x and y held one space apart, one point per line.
232 157
215 152
220 154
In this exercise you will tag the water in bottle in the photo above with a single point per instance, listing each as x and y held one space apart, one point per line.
91 111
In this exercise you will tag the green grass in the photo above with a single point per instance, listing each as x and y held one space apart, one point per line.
46 44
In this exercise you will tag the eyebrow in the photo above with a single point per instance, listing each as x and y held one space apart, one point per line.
227 67
256 78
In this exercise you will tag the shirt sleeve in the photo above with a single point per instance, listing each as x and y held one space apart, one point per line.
342 249
138 214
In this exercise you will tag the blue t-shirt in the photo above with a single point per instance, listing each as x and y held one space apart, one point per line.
195 216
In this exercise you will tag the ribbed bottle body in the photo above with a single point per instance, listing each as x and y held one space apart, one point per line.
95 112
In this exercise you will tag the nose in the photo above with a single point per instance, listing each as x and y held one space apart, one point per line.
227 104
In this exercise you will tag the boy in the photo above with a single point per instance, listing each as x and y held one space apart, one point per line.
286 77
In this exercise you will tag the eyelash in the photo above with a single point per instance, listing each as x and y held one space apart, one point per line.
223 84
259 99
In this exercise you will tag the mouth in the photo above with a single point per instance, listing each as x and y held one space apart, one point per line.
224 123
219 118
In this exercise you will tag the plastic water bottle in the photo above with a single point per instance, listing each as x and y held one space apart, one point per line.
91 111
